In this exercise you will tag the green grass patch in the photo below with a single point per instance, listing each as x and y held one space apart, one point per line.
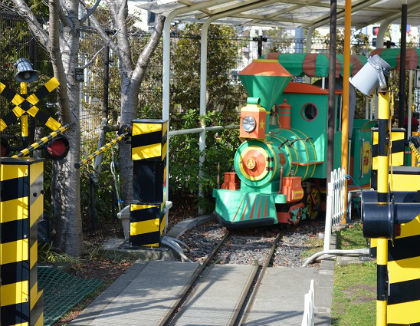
354 293
351 237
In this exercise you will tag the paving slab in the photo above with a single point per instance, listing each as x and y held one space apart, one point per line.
216 297
141 297
280 298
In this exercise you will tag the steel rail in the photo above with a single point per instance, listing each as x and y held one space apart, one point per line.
170 316
248 296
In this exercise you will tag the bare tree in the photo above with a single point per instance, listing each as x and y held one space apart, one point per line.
132 74
62 41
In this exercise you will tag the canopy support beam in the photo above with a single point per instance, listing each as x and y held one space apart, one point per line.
403 55
331 88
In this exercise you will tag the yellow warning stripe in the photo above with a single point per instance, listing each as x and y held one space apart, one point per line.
409 229
3 125
14 209
2 87
145 128
8 172
135 207
36 170
143 227
404 313
14 251
21 324
145 152
404 269
37 208
52 84
40 321
164 128
33 111
35 295
18 111
33 99
15 293
53 124
163 224
164 151
17 100
34 254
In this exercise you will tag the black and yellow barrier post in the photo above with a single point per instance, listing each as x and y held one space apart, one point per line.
383 195
21 207
148 152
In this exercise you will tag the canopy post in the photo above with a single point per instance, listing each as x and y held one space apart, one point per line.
381 33
346 99
309 39
203 103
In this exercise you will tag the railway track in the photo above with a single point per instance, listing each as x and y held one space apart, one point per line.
188 306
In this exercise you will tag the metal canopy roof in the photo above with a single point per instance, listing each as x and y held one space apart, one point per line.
285 13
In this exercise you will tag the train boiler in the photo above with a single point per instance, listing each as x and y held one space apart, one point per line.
281 166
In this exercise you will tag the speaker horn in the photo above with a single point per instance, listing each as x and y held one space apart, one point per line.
25 72
372 75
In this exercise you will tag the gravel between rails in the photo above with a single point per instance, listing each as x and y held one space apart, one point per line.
248 246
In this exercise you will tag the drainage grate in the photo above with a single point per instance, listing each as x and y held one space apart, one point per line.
62 292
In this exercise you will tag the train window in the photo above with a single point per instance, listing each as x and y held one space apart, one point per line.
309 111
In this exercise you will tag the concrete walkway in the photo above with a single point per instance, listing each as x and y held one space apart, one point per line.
146 292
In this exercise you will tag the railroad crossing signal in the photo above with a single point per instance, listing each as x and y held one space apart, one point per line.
27 105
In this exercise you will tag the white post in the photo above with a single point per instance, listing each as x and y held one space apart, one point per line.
309 40
203 103
328 216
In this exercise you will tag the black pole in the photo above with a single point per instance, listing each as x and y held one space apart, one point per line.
92 201
106 82
331 88
401 95
260 39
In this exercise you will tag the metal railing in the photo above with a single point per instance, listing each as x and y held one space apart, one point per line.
309 307
336 192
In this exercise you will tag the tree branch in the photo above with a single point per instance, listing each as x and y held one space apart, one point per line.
64 19
33 23
56 60
144 58
97 26
90 11
93 58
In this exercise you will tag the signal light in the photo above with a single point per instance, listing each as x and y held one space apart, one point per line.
4 147
58 148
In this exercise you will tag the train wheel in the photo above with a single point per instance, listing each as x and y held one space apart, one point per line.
313 203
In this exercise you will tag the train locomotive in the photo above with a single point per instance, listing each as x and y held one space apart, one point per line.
280 168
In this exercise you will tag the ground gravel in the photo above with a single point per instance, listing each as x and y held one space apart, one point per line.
251 246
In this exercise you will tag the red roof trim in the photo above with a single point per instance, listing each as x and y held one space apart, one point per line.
302 88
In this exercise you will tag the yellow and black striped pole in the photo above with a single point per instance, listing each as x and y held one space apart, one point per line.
42 141
382 243
103 149
148 217
21 207
24 119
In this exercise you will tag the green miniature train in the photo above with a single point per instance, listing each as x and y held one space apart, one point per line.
281 165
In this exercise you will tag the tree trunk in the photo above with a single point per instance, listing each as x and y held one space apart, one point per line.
128 113
66 178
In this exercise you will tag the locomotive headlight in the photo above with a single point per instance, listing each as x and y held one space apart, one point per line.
248 123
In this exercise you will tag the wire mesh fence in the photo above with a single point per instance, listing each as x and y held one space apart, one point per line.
62 292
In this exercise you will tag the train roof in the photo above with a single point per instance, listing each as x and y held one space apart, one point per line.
302 88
